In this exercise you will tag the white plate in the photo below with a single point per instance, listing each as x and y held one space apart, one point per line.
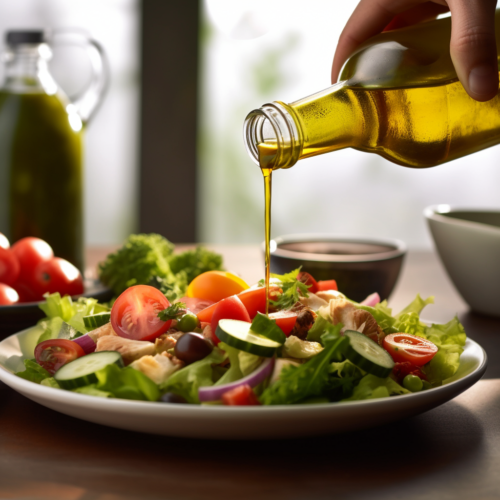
224 422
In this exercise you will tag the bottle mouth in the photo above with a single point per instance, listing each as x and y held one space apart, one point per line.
14 38
272 124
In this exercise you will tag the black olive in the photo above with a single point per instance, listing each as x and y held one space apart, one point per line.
192 347
171 397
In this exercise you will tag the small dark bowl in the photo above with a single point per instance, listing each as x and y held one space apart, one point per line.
360 266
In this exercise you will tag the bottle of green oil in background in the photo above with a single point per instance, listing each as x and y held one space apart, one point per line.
41 147
399 97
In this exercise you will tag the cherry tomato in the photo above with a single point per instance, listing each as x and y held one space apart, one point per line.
327 285
242 395
9 266
26 292
285 320
30 252
134 314
8 295
215 285
406 347
230 308
57 275
4 242
196 305
309 281
54 353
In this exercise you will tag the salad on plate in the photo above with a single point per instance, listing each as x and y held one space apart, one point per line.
216 346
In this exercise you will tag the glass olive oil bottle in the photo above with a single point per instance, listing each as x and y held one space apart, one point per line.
399 97
41 163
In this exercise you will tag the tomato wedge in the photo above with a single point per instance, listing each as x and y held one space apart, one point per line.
327 285
195 305
254 299
230 308
242 395
285 320
134 315
406 347
309 281
54 353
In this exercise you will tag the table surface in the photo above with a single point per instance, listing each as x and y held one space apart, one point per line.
450 452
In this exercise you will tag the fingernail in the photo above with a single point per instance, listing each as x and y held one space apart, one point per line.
483 80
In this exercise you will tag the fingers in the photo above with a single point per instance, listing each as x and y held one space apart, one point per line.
368 19
473 46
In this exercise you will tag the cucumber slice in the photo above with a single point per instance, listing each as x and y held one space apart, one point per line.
238 334
367 354
96 320
81 371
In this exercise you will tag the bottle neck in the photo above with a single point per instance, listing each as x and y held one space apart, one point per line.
26 69
274 126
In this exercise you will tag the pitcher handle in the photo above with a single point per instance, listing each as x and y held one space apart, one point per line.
87 100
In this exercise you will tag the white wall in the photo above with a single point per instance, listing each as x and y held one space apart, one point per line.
344 192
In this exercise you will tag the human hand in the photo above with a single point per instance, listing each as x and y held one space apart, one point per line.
472 46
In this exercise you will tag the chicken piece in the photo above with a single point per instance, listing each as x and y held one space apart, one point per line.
102 331
305 320
342 311
174 359
301 349
129 349
158 368
167 341
328 295
313 302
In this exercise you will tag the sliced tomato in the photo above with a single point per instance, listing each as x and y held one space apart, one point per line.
9 266
242 395
8 295
309 281
134 314
230 308
327 285
406 347
54 353
285 320
196 305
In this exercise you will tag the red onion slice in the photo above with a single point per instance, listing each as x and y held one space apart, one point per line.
214 393
86 343
371 300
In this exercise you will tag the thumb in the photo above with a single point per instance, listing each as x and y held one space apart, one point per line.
473 46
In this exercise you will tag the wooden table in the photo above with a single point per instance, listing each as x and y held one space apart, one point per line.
451 452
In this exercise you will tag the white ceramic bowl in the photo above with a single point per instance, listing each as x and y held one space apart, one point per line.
468 243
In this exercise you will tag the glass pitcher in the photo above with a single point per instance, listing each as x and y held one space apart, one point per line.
41 143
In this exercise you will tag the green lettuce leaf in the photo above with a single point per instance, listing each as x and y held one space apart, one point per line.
344 376
372 387
34 372
50 382
189 379
92 390
234 372
416 306
310 379
450 339
126 383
